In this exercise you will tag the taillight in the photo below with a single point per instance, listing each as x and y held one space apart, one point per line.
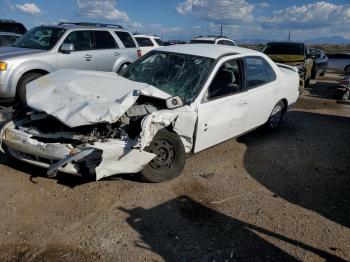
139 54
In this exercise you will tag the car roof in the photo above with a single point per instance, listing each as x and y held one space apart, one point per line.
285 43
208 50
145 35
10 34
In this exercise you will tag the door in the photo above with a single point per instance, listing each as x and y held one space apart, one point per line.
263 87
338 62
82 56
223 112
105 50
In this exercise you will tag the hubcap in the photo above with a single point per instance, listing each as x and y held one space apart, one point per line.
165 154
276 116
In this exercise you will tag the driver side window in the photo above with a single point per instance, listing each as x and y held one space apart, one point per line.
80 39
227 81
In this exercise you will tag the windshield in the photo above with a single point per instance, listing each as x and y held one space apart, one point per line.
194 41
43 38
177 74
284 49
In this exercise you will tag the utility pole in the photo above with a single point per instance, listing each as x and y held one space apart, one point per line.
221 30
289 35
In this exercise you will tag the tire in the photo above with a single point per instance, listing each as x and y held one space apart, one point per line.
122 67
307 83
314 72
347 70
22 83
276 116
170 160
346 96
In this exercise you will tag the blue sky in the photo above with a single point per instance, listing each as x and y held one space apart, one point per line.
183 19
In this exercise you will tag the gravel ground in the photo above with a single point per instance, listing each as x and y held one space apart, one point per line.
282 196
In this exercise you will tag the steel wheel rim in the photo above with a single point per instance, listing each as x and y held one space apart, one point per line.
165 152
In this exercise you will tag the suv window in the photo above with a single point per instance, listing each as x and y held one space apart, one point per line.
227 81
103 40
258 72
80 39
225 42
144 41
339 56
12 27
126 39
6 40
159 42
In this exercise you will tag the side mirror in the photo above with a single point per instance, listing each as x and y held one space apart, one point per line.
311 56
67 48
174 102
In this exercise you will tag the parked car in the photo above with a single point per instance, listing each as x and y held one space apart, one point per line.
7 39
294 54
45 49
217 40
172 101
11 26
339 63
320 62
148 42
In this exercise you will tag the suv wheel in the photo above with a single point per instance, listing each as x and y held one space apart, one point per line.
347 70
22 83
170 159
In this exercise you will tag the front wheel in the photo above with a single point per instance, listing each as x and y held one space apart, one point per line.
276 116
22 85
170 159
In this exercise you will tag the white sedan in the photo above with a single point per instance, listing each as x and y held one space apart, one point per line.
172 101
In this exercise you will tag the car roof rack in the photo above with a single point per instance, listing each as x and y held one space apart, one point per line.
91 24
212 36
145 34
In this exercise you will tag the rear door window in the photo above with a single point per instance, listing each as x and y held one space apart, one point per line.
258 72
103 40
144 41
80 39
126 39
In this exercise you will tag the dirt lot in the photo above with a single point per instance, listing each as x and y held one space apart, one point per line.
282 196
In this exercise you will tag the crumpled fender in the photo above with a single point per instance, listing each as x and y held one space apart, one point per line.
182 121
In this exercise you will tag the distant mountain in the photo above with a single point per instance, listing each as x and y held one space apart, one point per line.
333 40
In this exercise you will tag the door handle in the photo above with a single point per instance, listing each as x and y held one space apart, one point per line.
242 103
116 54
88 56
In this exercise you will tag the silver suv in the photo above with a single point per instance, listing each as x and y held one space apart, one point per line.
44 49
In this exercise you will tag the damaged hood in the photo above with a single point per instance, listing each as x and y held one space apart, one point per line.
288 59
79 98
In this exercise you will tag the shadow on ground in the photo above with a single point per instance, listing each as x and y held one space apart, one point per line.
324 89
184 230
306 162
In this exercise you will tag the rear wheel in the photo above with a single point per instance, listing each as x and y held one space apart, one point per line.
276 116
170 159
22 83
122 67
347 70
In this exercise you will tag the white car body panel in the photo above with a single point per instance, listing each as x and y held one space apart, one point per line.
81 98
